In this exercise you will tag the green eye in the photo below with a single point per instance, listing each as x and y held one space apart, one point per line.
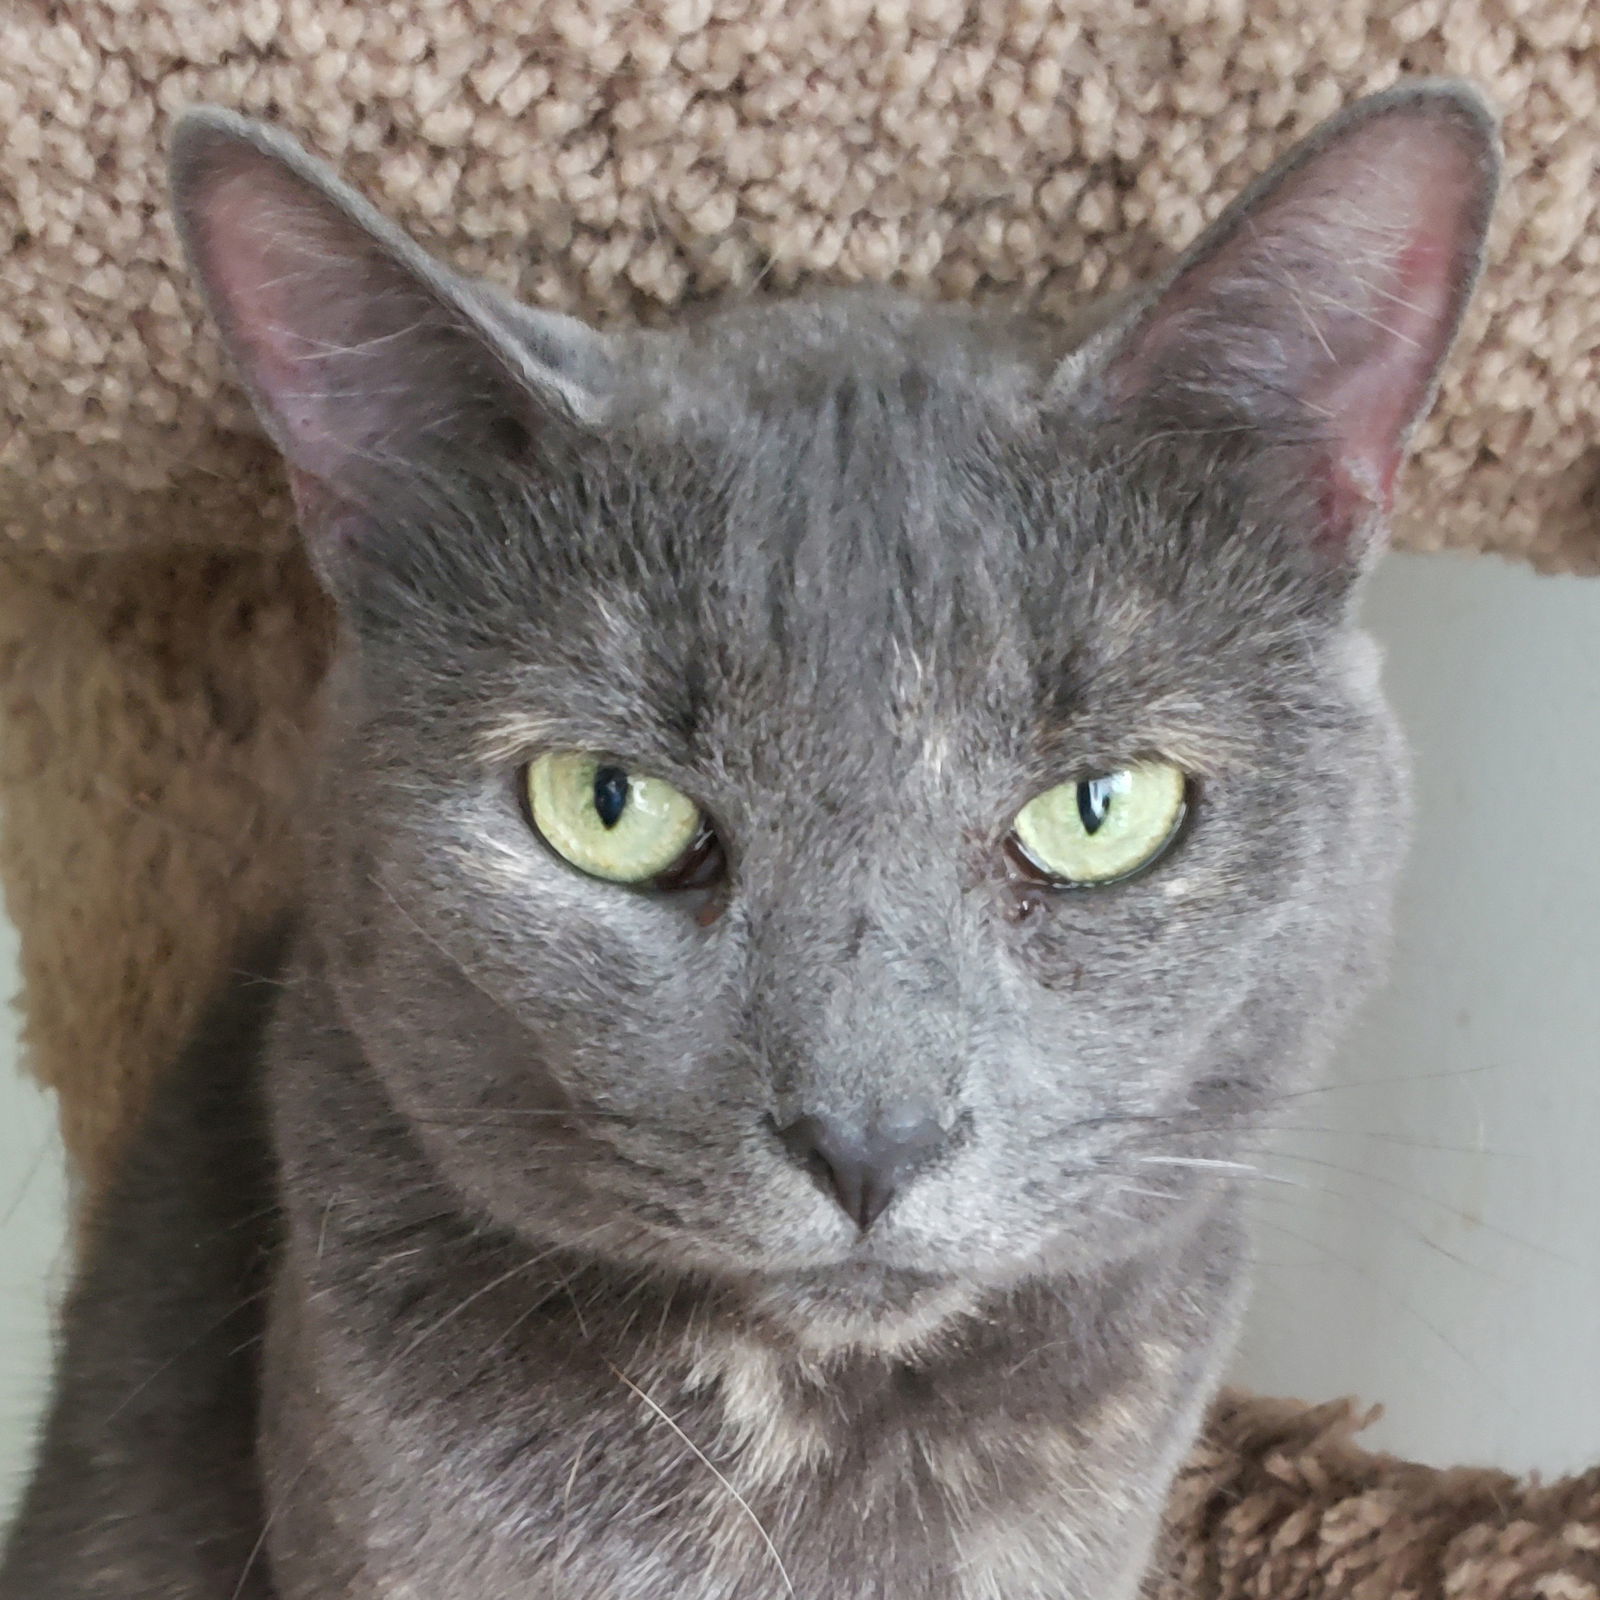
607 821
1104 828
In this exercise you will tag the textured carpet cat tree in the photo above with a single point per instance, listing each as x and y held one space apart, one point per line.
161 641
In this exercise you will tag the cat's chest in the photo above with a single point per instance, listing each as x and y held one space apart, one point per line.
719 1485
695 1533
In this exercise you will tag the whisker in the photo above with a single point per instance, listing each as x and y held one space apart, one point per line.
1390 1295
711 1466
472 1299
1388 1082
1412 1228
1407 1225
438 944
507 1117
1224 1169
519 1111
1468 1218
1203 1162
214 1326
1188 1122
261 1538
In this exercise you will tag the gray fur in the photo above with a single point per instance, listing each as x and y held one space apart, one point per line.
552 1311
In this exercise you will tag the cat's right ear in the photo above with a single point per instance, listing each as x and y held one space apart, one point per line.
1314 315
361 353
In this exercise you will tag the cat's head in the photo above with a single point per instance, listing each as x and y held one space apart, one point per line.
839 796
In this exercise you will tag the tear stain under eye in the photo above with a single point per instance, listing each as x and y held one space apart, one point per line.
1024 904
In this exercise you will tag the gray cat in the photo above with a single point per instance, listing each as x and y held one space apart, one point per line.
835 822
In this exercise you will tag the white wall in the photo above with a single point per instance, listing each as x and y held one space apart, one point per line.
33 1205
1437 1243
1444 1256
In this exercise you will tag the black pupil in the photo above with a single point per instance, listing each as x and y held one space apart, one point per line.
1094 802
610 794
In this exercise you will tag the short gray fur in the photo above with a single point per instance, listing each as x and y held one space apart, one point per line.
512 1290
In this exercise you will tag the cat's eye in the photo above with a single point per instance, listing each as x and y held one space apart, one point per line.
614 823
1102 829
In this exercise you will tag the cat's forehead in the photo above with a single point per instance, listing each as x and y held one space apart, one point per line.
853 472
892 488
862 460
772 358
853 591
866 522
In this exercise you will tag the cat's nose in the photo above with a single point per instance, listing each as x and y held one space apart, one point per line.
863 1165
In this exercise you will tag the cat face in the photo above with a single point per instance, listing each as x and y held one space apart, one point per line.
889 623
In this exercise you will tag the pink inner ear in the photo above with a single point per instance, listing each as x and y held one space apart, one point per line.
244 254
1375 394
1339 288
275 270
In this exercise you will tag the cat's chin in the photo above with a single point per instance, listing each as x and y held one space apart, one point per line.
863 1305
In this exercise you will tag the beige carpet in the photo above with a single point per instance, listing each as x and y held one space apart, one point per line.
616 158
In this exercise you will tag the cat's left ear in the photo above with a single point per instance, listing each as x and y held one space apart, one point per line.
362 353
1318 309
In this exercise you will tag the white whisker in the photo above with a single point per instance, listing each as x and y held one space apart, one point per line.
711 1466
